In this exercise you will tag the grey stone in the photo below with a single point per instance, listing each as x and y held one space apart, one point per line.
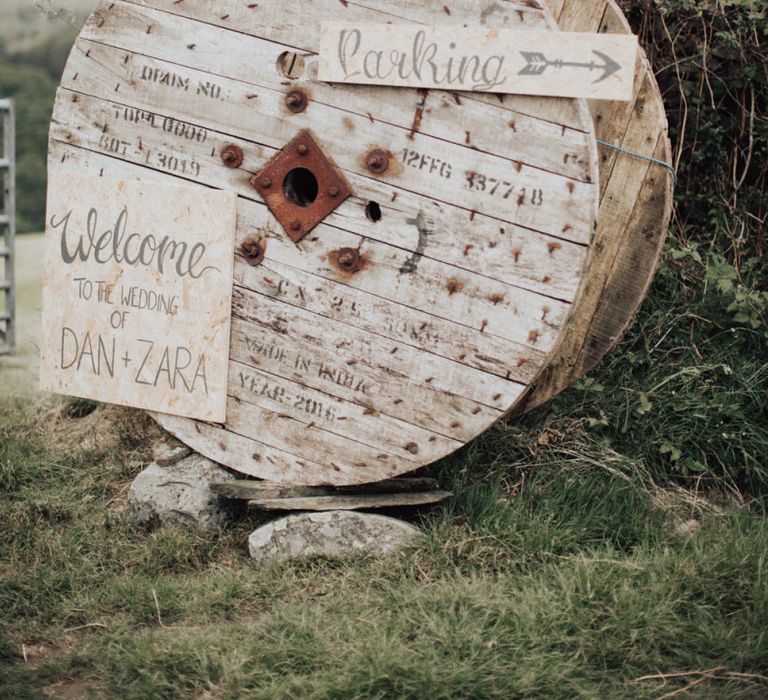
333 534
167 453
179 493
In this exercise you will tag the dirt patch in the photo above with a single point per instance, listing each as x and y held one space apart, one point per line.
106 428
74 689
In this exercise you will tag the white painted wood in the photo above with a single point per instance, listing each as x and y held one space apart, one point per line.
171 37
342 377
381 318
476 59
141 136
331 300
511 192
276 21
137 294
503 309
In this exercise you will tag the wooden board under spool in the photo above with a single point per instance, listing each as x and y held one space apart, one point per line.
635 211
466 285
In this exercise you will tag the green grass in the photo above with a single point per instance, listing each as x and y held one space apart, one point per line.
569 579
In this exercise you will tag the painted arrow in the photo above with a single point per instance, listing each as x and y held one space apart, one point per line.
537 63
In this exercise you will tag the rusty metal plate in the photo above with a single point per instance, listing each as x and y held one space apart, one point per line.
301 186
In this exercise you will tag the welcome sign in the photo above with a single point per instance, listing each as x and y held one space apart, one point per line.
137 294
558 64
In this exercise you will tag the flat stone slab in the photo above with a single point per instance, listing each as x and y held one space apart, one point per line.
344 502
253 490
179 494
334 535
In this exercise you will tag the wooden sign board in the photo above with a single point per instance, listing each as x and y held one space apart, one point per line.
594 66
137 294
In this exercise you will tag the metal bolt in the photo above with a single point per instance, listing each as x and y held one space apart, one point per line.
261 183
334 191
377 161
295 225
303 150
348 259
232 156
296 101
253 251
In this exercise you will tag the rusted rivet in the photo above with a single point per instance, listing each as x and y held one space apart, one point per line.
348 259
295 225
261 183
303 150
296 101
253 251
377 161
232 156
334 191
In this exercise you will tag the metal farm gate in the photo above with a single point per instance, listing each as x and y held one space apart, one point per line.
7 229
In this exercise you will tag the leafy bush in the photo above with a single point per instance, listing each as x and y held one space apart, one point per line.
711 61
687 392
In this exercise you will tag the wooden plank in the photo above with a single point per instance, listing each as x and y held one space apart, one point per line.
325 503
300 321
478 182
293 30
581 16
350 307
502 310
137 294
556 7
316 410
407 222
171 36
359 379
476 59
288 24
332 301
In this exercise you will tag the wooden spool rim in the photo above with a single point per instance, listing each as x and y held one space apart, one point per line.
633 224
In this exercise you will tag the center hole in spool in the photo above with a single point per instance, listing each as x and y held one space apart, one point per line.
301 187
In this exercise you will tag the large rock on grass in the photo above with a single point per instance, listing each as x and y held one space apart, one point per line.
333 534
179 493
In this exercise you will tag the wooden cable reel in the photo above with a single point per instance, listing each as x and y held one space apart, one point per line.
425 248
